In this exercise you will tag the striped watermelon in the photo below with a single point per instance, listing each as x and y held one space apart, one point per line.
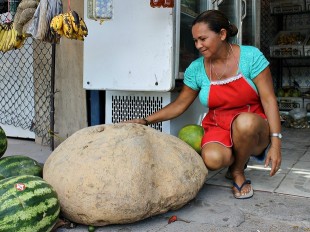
27 204
3 142
19 165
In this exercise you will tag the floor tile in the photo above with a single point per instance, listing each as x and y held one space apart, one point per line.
293 154
258 174
306 157
219 179
286 166
261 179
212 174
297 182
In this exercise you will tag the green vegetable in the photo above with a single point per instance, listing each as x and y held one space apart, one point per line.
19 165
3 142
192 134
27 203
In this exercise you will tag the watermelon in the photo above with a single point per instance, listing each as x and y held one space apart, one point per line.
3 142
27 203
192 134
19 165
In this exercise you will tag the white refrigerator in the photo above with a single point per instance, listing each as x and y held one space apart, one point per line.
138 54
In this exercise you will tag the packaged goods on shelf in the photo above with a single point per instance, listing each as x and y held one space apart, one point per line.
289 44
289 103
287 6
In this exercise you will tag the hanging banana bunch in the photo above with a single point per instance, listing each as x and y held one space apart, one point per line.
9 38
70 25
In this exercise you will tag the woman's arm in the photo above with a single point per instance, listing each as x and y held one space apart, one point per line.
173 109
264 85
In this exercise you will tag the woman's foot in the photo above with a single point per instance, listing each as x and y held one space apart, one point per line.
242 188
228 174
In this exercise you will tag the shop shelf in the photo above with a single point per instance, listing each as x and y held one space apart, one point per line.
287 6
289 44
289 103
307 46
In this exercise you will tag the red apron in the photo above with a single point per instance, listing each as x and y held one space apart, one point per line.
227 99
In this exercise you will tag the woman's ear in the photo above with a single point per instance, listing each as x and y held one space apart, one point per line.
223 34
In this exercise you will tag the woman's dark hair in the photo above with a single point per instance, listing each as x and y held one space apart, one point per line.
216 21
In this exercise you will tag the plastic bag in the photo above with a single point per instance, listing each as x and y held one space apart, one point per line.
39 28
298 113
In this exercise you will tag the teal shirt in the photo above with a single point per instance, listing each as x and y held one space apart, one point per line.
252 62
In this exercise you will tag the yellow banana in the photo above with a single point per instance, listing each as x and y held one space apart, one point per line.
1 33
79 37
7 41
60 32
56 23
13 39
83 28
3 42
67 25
73 36
75 20
3 39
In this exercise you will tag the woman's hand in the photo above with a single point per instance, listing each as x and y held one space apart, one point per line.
273 157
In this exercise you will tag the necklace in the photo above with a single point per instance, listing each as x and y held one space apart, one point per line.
219 77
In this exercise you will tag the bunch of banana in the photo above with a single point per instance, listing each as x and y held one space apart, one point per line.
9 38
70 25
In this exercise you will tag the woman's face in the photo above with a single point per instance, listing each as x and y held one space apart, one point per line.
206 41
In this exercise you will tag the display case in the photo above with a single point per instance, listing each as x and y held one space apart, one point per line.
291 49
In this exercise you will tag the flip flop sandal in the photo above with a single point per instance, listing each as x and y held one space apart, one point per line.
239 188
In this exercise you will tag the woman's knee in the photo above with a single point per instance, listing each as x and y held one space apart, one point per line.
215 160
247 123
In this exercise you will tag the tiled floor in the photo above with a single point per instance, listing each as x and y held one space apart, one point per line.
294 175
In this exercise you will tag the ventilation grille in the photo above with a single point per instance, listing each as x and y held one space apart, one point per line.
130 107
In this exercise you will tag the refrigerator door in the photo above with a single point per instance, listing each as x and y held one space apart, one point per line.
187 50
133 49
245 14
235 13
251 23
